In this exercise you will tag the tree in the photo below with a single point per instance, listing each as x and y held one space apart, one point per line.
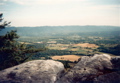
2 26
11 51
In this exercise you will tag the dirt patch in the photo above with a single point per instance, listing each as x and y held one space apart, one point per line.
87 45
66 57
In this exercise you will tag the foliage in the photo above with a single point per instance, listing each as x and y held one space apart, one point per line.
65 63
12 52
2 26
112 50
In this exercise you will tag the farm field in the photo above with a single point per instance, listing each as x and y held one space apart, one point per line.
66 57
73 47
80 48
86 45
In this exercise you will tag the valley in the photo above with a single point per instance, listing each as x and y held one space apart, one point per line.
68 43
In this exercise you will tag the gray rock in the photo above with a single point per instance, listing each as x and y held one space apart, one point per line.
100 68
37 71
114 75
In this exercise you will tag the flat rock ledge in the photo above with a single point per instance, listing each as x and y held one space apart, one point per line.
37 71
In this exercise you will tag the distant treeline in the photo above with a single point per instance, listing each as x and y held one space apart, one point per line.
112 50
49 53
64 30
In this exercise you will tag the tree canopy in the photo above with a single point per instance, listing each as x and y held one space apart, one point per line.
11 51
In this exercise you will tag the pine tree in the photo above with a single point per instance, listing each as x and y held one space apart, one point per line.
2 26
12 52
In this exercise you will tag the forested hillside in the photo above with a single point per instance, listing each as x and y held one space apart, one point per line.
64 30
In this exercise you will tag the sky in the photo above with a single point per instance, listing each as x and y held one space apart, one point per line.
61 12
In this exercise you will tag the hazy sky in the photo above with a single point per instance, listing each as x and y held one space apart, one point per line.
61 12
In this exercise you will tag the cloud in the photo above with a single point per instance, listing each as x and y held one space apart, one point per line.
38 2
5 0
105 7
2 3
52 2
54 12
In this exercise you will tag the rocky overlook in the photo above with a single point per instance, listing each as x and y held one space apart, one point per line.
100 68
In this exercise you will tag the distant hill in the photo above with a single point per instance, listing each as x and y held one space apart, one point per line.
61 30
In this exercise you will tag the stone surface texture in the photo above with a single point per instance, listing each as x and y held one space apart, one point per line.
100 68
37 71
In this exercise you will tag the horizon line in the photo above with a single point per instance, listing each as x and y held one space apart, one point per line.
63 25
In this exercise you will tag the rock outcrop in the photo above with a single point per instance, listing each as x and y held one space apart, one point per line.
37 71
100 68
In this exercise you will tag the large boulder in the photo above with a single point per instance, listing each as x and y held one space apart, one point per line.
100 68
37 71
